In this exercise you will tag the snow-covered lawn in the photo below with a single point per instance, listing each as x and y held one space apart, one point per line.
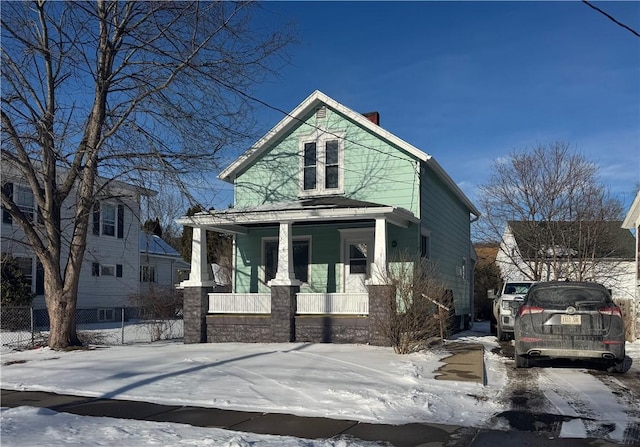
357 382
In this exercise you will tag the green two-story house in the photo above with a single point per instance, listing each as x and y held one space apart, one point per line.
323 203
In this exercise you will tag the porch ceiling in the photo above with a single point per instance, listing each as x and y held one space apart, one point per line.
327 209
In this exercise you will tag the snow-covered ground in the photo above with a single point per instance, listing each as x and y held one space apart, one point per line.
357 382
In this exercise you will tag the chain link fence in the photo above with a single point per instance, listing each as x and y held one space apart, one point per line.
28 327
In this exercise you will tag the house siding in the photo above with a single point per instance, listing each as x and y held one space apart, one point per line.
374 170
93 291
325 274
447 219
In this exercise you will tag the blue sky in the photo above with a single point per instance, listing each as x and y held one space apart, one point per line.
468 82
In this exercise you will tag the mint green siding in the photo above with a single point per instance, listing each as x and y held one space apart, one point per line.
447 218
325 270
373 170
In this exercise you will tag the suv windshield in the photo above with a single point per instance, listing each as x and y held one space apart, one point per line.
517 288
568 296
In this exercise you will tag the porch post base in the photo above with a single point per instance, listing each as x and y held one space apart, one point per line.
380 308
195 308
283 313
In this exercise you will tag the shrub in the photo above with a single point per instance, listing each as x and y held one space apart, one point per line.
420 310
160 307
16 287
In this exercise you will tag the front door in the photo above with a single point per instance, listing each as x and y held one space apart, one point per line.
357 259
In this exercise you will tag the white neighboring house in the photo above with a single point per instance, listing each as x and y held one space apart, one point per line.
111 265
632 222
160 263
519 259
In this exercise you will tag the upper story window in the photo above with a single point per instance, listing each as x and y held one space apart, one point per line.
322 165
23 197
108 220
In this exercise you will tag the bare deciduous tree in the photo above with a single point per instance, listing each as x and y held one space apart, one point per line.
420 309
140 92
561 215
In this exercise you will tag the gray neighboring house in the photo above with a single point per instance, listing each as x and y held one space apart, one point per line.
111 265
160 263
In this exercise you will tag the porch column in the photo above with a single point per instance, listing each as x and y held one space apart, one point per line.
379 266
199 273
285 275
284 288
196 290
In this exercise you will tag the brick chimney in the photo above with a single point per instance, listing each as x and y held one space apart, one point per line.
374 117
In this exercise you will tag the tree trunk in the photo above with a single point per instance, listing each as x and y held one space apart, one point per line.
61 299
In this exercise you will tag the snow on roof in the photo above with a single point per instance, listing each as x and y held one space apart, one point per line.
152 244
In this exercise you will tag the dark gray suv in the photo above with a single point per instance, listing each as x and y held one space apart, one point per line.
569 320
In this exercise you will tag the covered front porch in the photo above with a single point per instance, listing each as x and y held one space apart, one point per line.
314 264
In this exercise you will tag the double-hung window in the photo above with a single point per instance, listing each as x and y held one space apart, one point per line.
322 165
23 198
108 220
147 273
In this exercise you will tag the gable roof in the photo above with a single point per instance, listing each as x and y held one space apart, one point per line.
313 102
614 242
633 215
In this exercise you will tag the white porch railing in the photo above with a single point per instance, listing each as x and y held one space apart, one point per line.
333 303
240 303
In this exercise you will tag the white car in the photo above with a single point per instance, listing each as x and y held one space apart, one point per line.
506 304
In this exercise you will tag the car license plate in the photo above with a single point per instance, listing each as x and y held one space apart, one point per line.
570 319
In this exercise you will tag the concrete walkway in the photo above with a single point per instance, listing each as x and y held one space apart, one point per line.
465 364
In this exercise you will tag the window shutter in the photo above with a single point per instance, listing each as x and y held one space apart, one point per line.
7 189
118 270
95 269
39 278
96 219
120 221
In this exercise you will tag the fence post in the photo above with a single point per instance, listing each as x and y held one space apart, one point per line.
122 337
33 335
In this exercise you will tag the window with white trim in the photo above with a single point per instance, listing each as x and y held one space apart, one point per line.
23 197
106 314
98 269
33 273
108 220
147 273
301 258
425 244
322 165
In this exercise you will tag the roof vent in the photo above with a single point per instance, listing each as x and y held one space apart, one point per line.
321 113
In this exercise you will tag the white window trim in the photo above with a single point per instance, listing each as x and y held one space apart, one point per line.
263 267
102 314
32 274
19 188
320 138
115 219
149 268
426 233
108 266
